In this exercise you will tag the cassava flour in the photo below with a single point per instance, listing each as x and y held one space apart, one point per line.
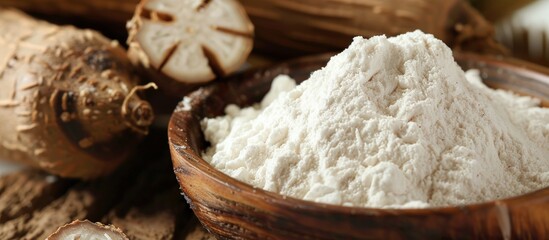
389 122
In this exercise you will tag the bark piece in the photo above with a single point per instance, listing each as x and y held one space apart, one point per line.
152 208
141 197
80 202
157 219
85 200
28 190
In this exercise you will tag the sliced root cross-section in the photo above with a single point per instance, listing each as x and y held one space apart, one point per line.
190 41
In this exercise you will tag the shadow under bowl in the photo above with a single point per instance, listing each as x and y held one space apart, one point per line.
231 209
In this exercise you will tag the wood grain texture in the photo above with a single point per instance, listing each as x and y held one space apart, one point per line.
28 190
232 209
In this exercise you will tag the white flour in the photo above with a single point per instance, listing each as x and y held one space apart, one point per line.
389 122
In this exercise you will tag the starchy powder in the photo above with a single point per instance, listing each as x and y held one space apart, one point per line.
390 123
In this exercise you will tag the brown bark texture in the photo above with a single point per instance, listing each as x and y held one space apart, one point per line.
67 103
141 198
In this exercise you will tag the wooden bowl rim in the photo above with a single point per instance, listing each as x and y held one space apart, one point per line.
178 145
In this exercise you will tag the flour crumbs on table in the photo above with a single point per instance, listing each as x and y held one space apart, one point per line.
387 123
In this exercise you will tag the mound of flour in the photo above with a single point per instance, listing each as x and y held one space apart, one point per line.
389 122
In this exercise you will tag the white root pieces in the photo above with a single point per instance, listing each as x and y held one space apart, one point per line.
190 41
86 230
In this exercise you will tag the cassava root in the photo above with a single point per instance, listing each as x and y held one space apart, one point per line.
101 11
85 229
66 99
185 43
293 28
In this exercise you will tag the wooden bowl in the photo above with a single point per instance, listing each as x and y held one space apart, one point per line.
232 209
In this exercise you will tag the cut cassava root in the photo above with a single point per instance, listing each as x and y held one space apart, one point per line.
86 230
189 42
67 98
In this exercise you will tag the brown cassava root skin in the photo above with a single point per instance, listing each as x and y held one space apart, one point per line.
106 16
66 99
291 28
107 11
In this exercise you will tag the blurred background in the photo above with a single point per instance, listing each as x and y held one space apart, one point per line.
521 25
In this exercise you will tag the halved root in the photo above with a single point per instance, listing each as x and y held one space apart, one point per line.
191 41
86 230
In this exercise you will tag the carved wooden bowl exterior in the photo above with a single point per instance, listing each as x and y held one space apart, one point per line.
235 210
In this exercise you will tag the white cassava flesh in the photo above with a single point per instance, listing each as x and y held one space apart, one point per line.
191 41
86 230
